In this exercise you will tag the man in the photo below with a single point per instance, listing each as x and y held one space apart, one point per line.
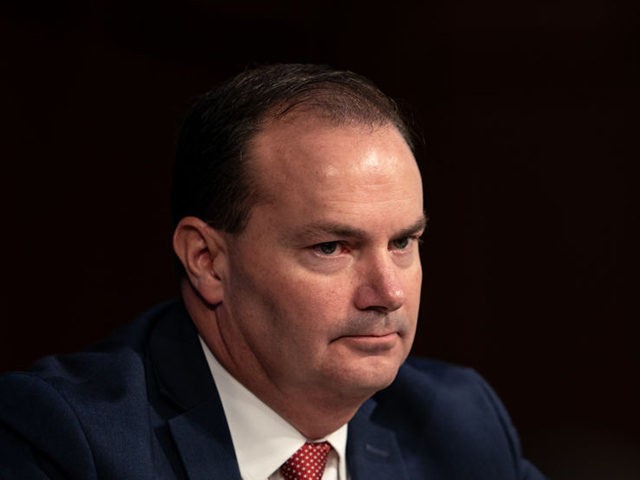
298 211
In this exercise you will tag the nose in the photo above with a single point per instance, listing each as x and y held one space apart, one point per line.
379 285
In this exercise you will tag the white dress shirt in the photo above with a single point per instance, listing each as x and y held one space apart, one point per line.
262 439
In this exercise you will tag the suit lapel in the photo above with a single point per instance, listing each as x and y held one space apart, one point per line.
187 398
204 442
372 450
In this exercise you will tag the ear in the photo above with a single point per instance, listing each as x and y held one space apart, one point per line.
202 251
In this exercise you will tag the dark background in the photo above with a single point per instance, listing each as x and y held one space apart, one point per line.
530 116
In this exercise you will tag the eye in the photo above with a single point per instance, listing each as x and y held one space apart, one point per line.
400 243
327 248
404 243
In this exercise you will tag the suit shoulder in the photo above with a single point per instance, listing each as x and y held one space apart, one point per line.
111 358
68 408
422 375
452 412
105 373
455 386
37 422
57 379
437 395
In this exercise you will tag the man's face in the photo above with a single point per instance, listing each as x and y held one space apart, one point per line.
322 288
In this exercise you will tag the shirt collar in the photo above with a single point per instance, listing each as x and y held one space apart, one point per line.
262 439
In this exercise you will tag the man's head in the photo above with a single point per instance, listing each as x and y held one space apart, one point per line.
308 294
210 178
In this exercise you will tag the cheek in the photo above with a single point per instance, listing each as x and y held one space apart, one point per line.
315 297
311 308
282 300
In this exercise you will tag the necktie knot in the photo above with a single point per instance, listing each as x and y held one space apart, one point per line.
307 463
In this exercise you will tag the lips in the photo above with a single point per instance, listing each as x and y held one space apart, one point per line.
371 343
359 334
371 335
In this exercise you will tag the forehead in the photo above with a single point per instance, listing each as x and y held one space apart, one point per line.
315 173
322 155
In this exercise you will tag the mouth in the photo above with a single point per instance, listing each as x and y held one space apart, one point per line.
371 343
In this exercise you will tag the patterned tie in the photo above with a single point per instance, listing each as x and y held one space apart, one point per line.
307 463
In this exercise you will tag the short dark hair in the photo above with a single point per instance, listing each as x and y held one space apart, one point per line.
210 177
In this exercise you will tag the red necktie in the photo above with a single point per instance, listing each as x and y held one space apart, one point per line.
307 463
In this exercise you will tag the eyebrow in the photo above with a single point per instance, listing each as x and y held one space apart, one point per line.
414 229
341 230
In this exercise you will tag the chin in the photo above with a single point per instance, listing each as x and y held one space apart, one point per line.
369 379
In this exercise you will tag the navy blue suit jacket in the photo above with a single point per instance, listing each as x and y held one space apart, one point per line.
142 405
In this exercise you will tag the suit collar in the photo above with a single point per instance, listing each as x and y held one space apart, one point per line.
204 442
187 398
177 361
372 450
